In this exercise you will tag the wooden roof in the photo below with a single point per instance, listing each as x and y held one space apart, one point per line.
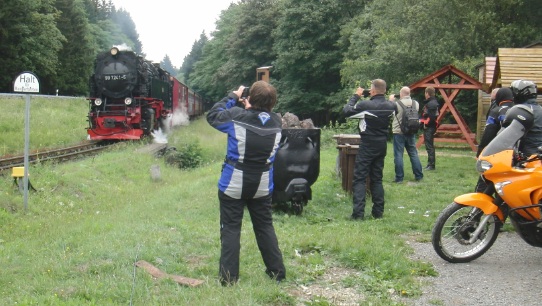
518 64
440 79
449 81
489 72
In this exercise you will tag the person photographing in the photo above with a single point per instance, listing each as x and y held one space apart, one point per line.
246 179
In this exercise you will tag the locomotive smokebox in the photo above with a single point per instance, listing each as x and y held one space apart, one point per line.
296 167
116 76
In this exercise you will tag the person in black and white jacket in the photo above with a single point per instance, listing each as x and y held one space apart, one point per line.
254 132
374 117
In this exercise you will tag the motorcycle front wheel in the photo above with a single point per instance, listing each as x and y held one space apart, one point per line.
454 228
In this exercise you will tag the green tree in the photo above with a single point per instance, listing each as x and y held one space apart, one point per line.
75 57
309 57
30 41
241 43
190 60
207 76
402 41
127 26
168 66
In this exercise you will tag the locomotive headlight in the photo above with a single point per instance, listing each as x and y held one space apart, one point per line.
114 51
128 101
98 102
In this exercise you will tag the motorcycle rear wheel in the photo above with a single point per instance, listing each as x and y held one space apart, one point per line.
453 229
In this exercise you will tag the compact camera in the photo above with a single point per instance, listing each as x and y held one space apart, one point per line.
366 93
244 95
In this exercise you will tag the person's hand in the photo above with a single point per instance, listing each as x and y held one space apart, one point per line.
392 97
239 92
359 91
247 104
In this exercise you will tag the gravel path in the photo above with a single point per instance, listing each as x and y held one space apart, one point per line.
510 273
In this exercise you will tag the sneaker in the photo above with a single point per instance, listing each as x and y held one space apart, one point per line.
397 181
429 168
419 179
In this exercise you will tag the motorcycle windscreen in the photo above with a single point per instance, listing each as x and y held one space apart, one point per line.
506 139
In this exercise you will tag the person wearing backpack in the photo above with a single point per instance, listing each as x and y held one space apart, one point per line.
405 126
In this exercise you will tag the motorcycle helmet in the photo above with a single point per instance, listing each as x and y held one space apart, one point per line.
523 90
521 113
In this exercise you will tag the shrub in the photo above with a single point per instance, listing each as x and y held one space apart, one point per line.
186 157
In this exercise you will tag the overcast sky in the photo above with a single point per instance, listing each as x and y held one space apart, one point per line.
170 26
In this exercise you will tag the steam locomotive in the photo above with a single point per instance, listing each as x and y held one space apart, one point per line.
130 97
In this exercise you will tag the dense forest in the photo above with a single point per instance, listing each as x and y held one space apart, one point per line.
320 50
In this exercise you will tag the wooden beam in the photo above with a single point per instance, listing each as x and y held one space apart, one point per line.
159 274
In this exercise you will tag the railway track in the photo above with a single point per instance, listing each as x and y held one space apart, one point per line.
61 154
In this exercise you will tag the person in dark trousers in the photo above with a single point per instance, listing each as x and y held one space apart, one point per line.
502 100
402 141
254 132
429 119
374 117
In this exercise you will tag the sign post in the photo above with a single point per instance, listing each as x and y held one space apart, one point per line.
27 83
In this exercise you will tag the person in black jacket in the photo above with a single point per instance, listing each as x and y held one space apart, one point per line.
502 102
429 118
525 93
504 99
374 117
254 132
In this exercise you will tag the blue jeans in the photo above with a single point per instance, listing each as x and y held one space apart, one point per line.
408 142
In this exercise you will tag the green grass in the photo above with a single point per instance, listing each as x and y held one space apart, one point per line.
53 122
92 219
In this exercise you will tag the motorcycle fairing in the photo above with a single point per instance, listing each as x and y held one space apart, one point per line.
482 201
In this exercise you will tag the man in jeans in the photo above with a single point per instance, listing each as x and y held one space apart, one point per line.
403 141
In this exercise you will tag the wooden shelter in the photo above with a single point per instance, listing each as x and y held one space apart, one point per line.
449 81
518 64
509 65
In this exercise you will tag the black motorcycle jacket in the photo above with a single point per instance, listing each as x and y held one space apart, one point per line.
431 111
494 123
529 144
375 114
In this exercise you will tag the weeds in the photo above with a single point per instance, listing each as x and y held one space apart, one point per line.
91 219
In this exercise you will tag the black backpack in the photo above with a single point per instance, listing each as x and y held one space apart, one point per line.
411 120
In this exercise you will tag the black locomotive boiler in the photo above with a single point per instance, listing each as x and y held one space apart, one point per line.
130 96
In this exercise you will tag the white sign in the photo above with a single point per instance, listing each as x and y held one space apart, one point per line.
26 82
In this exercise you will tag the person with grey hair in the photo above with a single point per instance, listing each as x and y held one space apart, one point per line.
403 140
374 117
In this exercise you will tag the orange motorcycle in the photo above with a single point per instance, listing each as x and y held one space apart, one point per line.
469 226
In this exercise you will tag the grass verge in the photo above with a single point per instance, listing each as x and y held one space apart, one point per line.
92 219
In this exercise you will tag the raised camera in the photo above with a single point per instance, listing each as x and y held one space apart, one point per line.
244 95
366 93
